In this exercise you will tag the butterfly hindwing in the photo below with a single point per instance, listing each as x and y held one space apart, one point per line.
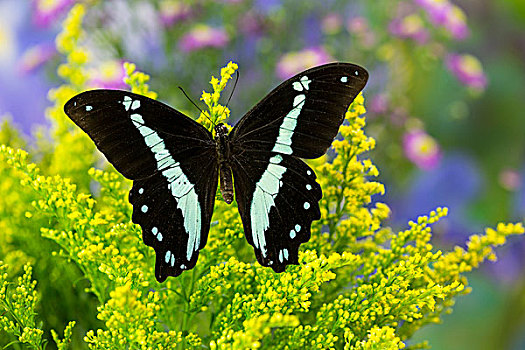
174 215
173 162
301 116
278 197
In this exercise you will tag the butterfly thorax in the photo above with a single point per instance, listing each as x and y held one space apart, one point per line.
222 143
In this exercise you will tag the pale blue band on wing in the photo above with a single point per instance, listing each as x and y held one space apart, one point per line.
263 200
286 130
268 186
181 188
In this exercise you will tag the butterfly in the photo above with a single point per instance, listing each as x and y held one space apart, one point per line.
175 163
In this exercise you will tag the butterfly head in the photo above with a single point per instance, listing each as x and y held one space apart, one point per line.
221 130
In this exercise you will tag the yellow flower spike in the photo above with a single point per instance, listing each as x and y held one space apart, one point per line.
217 112
137 81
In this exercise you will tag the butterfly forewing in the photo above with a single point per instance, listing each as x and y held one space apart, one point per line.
276 192
302 116
112 119
173 162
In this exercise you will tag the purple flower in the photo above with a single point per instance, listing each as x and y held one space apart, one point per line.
360 28
332 23
108 75
409 27
443 13
202 36
421 149
252 23
36 56
357 25
436 10
510 179
47 11
468 70
456 23
379 104
294 62
173 11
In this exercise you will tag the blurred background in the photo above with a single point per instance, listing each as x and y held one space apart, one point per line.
445 102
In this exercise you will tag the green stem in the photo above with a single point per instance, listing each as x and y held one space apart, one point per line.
186 317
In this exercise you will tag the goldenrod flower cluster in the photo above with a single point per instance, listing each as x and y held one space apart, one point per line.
18 300
74 145
217 113
137 81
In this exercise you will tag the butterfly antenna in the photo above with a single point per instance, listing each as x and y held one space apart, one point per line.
200 110
234 86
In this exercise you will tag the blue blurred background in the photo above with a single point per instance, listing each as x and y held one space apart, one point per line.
445 101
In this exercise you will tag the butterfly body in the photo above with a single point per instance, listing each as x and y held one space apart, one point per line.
224 161
175 163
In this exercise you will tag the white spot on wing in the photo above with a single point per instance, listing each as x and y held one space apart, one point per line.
344 79
276 159
141 190
292 234
89 108
155 230
308 172
167 257
306 205
297 228
308 187
144 208
127 102
135 104
297 86
306 82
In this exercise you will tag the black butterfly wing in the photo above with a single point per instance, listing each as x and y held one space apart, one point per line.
175 215
173 163
301 117
276 192
110 118
278 197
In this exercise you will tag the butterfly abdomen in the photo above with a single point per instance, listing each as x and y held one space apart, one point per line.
223 157
226 183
